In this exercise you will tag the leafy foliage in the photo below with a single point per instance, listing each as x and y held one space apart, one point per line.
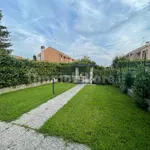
85 60
16 72
142 86
134 75
34 58
129 80
116 61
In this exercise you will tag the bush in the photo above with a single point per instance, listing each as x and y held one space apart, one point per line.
141 86
129 80
123 88
15 72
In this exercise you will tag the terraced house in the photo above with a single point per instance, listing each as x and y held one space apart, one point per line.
52 55
140 53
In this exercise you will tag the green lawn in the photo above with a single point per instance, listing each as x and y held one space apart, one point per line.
104 119
13 104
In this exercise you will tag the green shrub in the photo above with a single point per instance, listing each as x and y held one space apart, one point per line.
129 80
15 72
141 86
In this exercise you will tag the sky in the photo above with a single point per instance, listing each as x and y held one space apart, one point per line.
99 29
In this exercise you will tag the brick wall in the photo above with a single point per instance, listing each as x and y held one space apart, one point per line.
53 55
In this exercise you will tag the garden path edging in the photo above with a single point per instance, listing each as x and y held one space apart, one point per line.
38 116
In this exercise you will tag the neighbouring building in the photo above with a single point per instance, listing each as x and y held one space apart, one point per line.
18 57
52 55
140 53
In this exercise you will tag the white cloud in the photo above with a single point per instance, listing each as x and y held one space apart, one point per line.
132 34
26 43
85 47
89 17
137 4
99 29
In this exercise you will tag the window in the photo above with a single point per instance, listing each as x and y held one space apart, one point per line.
61 58
144 55
138 55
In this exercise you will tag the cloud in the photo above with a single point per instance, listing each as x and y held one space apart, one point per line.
136 4
85 47
98 29
89 17
133 33
24 43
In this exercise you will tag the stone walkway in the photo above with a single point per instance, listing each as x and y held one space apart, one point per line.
38 116
15 137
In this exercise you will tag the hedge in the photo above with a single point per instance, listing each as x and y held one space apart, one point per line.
16 72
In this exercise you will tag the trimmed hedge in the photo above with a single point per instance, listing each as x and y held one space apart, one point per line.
135 75
16 72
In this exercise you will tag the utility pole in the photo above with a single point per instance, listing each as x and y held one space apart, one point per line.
143 40
55 43
73 54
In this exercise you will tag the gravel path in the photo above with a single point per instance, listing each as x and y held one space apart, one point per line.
15 137
38 116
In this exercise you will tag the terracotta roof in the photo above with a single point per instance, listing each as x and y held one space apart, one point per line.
19 57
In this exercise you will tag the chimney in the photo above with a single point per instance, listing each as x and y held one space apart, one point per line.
147 43
42 47
42 52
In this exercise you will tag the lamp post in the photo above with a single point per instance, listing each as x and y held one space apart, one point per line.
53 90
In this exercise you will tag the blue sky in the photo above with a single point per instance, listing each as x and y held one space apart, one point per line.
100 29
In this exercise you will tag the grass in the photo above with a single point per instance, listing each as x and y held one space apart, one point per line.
102 118
13 104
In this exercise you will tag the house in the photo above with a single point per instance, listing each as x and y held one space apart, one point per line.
140 53
18 57
52 55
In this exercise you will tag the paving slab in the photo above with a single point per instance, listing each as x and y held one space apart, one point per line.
13 136
10 135
4 126
29 141
38 116
52 143
21 138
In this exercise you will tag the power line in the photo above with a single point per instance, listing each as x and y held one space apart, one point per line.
117 42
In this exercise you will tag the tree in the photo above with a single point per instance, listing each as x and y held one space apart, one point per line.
34 58
4 38
116 60
85 60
